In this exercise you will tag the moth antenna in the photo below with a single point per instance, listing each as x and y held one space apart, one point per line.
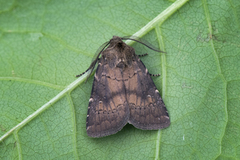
92 66
147 45
98 53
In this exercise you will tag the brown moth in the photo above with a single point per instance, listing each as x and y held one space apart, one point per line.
123 92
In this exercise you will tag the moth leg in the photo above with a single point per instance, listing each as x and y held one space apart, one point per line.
154 75
83 72
142 55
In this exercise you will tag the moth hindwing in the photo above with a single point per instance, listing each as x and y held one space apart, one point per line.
123 92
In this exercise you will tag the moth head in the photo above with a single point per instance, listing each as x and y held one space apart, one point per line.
117 44
118 53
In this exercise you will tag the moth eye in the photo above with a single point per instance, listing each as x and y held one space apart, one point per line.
119 45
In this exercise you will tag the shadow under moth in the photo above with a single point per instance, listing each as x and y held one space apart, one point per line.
123 92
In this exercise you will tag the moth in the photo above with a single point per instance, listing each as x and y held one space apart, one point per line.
123 92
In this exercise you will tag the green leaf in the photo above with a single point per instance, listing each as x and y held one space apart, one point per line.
43 107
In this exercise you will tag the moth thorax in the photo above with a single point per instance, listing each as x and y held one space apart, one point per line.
121 64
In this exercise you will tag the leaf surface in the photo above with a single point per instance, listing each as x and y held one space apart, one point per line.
44 44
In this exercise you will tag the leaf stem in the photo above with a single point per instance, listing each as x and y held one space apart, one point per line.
159 19
69 88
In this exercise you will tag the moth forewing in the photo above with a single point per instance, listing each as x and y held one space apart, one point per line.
123 92
147 109
108 109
